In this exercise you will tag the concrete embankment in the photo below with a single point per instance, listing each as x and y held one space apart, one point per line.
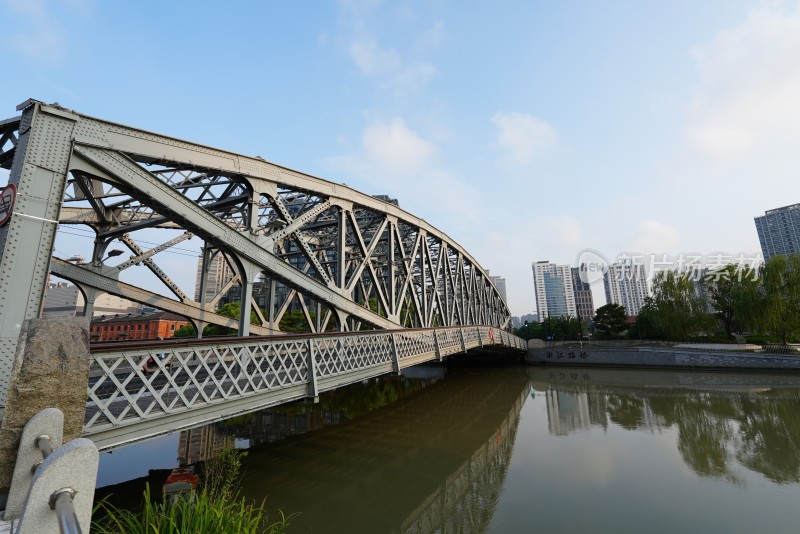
665 357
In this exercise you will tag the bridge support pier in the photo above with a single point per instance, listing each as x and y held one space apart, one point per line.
50 370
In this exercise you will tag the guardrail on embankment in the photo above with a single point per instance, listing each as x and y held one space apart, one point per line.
676 355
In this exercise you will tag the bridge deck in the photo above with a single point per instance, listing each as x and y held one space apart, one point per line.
192 382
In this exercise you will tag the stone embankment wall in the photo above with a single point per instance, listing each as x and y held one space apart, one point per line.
659 357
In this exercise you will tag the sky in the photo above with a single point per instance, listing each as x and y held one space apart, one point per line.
524 130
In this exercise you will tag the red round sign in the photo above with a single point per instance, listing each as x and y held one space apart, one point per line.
7 197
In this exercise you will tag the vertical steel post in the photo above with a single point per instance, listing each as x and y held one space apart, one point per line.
271 315
204 266
395 355
313 390
39 172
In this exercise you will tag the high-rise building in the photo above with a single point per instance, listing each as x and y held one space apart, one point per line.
219 274
626 284
500 283
583 292
779 231
555 295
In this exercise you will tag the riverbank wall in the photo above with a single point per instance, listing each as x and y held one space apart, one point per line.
659 357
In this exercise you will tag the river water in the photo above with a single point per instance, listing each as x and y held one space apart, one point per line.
514 449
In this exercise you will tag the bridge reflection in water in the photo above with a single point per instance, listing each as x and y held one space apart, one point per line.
434 460
425 453
724 421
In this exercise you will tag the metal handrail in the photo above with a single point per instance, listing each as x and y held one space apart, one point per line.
61 501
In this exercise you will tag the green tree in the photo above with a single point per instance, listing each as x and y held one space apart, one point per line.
777 304
187 330
678 311
530 331
611 319
231 310
563 328
295 321
647 326
730 292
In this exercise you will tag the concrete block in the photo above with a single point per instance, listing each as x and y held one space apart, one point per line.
51 370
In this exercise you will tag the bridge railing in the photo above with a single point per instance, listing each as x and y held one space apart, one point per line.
139 390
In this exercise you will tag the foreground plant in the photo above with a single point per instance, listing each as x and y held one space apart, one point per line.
217 508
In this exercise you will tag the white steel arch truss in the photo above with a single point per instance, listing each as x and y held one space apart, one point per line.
338 258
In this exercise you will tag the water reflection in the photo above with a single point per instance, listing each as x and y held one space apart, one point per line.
434 461
723 420
281 422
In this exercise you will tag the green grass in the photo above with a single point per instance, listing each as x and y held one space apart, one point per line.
217 508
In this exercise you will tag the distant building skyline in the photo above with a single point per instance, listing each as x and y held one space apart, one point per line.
500 283
583 292
65 300
555 294
779 231
626 284
219 273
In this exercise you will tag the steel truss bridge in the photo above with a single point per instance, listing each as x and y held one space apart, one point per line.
397 290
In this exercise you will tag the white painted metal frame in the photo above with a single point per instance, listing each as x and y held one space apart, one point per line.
344 260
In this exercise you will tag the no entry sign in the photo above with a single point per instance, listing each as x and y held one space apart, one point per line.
7 197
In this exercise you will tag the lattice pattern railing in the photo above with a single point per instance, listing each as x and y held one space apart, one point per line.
131 385
449 341
335 356
415 343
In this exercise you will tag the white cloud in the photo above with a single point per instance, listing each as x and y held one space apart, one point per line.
412 79
42 37
397 161
387 67
749 82
372 60
654 237
431 38
395 148
521 137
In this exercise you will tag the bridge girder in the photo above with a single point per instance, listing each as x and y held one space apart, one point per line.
343 258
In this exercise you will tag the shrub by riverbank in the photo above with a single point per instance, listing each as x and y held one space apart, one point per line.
217 507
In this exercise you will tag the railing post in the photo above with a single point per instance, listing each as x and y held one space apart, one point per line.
313 390
438 349
463 340
395 355
480 338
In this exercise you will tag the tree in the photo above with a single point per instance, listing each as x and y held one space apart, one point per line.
187 330
777 309
231 310
646 326
530 331
678 312
295 321
611 319
730 292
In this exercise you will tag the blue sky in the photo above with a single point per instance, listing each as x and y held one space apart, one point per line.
525 130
